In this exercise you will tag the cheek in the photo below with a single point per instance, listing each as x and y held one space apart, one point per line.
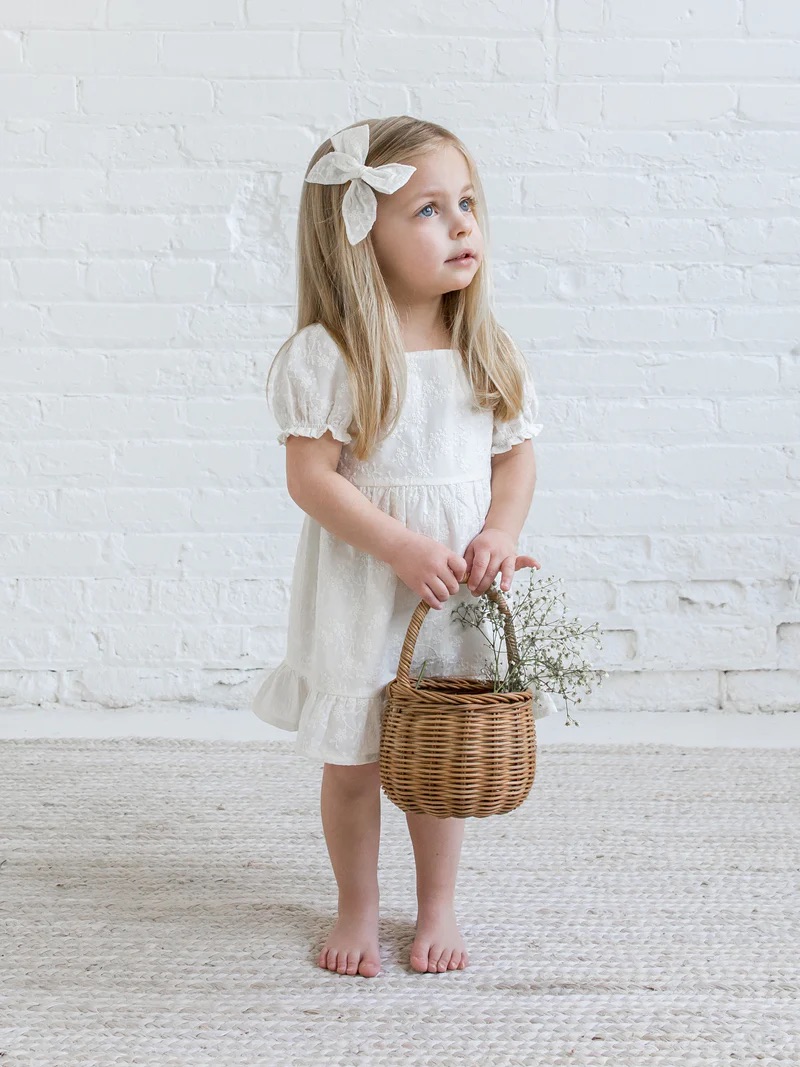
431 246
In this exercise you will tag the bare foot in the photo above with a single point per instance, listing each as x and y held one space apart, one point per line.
352 945
438 945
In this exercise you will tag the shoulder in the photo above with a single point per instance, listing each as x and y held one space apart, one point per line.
311 345
308 370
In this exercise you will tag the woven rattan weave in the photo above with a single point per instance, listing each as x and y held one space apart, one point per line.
453 748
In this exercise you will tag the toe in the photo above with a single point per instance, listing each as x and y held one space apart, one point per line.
352 964
433 957
369 968
453 963
419 958
341 966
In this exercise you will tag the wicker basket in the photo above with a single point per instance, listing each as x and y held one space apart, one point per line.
453 748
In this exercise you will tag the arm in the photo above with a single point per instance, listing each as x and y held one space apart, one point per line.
494 549
513 483
315 486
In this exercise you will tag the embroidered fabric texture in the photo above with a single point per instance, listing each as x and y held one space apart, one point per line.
348 611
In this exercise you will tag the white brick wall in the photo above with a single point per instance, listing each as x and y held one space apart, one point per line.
642 167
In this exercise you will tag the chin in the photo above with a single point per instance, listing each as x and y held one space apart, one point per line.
465 283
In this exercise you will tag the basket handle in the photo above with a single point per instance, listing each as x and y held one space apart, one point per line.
422 609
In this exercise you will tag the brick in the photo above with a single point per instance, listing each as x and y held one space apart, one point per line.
461 100
231 54
285 12
101 323
119 279
648 105
37 97
272 142
712 18
418 18
33 187
770 105
92 51
579 104
22 144
22 14
321 54
49 279
772 18
402 58
521 61
10 52
146 96
249 100
579 16
614 59
183 280
173 190
739 61
112 145
174 13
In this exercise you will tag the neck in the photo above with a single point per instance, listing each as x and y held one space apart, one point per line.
421 324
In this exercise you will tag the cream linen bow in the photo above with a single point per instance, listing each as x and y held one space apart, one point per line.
346 164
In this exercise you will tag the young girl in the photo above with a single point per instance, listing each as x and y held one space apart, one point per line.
407 414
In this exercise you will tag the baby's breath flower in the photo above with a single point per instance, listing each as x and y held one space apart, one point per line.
548 656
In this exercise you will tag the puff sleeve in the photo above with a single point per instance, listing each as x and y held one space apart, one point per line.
308 389
507 434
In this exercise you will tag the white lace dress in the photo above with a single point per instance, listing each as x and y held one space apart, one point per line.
348 611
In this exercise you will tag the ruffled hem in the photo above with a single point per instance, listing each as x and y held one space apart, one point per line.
507 442
315 431
334 727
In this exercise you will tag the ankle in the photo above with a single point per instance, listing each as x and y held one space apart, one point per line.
435 907
360 901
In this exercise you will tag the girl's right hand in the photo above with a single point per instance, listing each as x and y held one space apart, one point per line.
429 568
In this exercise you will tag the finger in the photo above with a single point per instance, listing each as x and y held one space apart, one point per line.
478 570
488 577
439 587
451 582
430 597
459 566
507 572
526 561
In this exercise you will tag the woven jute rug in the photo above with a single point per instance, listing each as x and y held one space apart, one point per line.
163 902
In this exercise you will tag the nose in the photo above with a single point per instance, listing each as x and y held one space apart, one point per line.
462 225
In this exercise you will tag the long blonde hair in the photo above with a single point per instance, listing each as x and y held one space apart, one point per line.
341 286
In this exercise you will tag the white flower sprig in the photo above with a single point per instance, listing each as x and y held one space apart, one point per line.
549 653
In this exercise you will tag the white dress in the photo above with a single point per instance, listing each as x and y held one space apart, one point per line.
348 611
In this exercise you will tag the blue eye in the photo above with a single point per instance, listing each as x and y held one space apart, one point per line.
464 200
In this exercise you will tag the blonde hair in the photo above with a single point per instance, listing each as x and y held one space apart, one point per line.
341 286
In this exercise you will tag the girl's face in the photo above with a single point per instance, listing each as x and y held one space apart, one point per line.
420 228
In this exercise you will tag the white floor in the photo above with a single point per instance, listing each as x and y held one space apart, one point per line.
728 729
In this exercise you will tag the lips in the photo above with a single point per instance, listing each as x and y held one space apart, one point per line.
462 255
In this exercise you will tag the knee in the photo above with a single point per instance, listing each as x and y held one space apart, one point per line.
354 779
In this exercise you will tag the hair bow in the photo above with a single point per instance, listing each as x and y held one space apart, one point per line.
346 164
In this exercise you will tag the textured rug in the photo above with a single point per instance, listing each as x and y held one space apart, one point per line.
163 902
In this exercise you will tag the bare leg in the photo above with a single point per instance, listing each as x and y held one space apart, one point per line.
438 945
350 804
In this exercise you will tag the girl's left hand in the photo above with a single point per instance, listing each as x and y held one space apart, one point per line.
491 551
